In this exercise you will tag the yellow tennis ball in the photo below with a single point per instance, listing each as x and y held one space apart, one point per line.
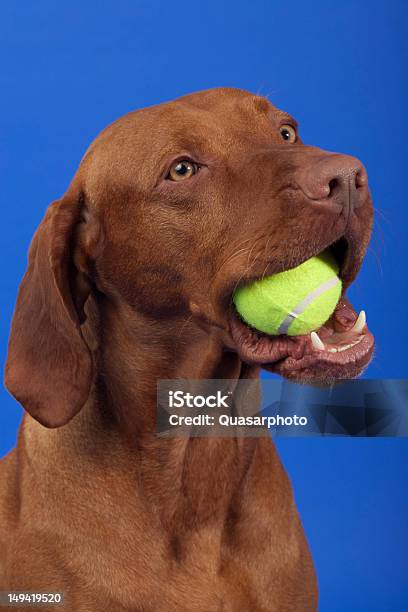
293 302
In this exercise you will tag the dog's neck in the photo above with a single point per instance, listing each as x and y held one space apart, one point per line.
186 479
133 354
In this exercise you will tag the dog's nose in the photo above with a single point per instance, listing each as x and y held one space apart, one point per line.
335 179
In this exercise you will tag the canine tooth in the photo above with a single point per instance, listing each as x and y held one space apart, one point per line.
333 350
316 342
360 323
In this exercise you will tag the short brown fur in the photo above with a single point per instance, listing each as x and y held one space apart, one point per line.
129 281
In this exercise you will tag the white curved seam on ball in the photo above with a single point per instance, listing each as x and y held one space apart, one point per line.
301 306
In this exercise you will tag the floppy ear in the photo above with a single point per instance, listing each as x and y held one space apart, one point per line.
49 366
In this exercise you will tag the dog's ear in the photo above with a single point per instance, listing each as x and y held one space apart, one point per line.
49 366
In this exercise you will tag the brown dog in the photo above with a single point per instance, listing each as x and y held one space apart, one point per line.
129 281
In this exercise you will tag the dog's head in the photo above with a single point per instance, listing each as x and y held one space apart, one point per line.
172 208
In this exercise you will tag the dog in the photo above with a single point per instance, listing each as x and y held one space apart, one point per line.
129 281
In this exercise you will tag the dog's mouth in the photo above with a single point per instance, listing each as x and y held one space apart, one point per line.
340 349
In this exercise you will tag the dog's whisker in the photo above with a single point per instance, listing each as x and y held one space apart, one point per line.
266 246
184 325
379 211
241 252
247 269
233 255
377 259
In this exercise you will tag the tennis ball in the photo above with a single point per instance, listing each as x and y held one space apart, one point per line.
293 302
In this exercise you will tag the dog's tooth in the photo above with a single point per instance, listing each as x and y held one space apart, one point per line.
360 323
316 342
333 350
344 347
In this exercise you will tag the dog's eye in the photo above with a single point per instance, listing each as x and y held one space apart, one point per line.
288 133
182 170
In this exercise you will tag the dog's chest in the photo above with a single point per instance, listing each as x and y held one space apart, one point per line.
153 574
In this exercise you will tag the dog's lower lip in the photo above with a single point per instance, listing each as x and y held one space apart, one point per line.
344 354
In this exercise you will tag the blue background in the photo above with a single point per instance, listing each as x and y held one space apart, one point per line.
68 69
